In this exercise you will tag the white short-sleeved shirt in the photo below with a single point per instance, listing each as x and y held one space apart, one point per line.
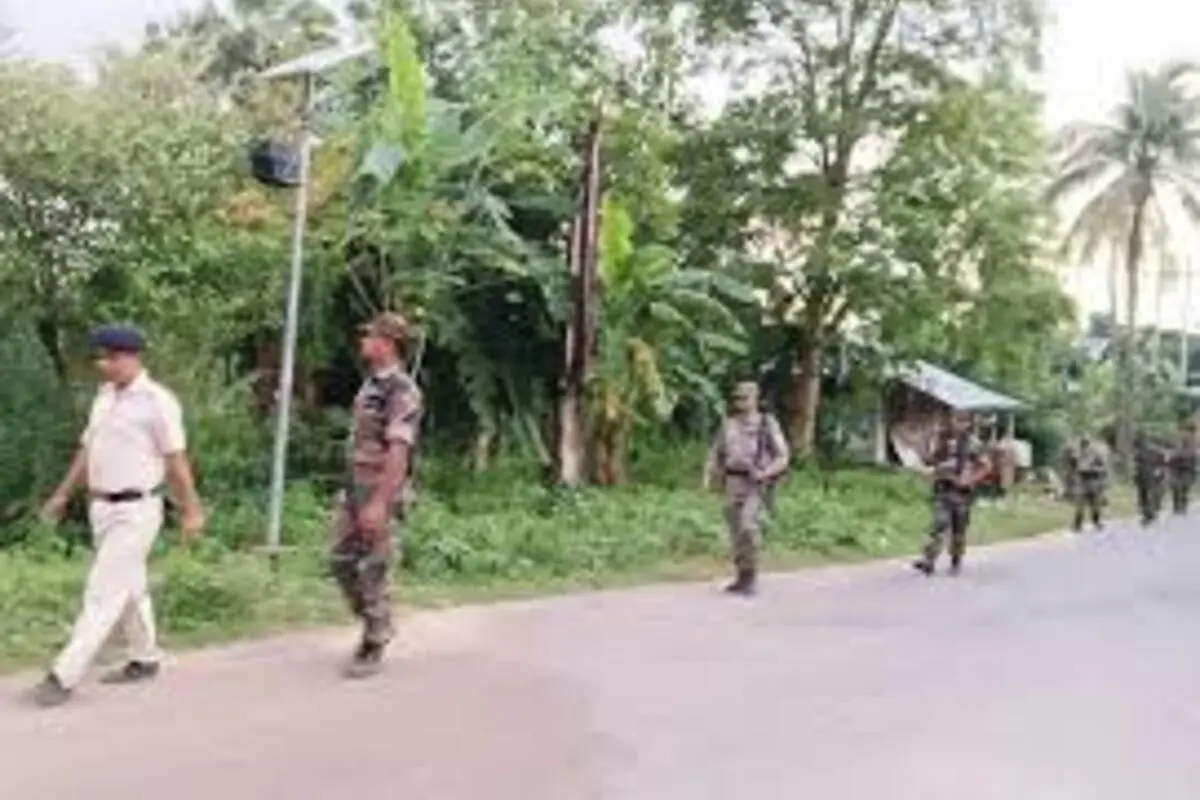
129 433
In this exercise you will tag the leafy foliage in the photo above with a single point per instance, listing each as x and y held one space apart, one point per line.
1130 174
869 191
831 104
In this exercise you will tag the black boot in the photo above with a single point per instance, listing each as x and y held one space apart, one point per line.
366 661
133 672
923 565
744 584
956 564
51 692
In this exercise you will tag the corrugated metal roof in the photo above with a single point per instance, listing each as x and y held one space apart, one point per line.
958 393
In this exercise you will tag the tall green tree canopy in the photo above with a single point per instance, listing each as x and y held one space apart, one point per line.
1131 177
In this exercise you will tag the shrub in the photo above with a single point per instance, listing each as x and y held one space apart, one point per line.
476 532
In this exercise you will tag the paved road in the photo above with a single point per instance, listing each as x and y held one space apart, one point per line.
1063 669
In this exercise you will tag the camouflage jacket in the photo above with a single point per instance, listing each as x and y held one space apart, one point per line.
1182 460
952 457
746 444
1086 462
1149 462
387 411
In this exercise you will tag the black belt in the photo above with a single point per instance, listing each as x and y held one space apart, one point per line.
125 495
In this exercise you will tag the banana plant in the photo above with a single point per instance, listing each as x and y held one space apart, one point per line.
663 328
437 234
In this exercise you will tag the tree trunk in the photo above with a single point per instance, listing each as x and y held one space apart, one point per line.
1127 410
581 333
47 333
482 446
1114 295
804 397
608 468
1156 343
608 444
1185 326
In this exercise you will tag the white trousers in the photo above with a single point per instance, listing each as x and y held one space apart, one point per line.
117 590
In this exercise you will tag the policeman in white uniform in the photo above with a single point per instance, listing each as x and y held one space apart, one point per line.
134 440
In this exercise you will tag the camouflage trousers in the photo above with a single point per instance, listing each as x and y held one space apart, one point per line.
1181 489
1089 500
952 517
362 566
1149 497
743 519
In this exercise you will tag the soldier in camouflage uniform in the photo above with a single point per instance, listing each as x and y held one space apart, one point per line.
957 462
1087 477
378 490
1149 473
1181 471
748 453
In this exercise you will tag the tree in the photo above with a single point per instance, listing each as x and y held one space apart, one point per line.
236 44
961 194
789 166
432 226
108 207
1132 173
662 330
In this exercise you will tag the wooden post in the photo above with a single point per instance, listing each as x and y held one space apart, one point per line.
580 344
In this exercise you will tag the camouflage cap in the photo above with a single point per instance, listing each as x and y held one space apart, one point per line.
387 325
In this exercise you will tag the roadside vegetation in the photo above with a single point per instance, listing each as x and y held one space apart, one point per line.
873 189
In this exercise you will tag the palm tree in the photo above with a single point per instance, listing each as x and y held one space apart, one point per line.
1130 173
1185 326
1168 282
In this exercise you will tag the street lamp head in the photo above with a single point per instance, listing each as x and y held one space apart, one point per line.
274 163
318 61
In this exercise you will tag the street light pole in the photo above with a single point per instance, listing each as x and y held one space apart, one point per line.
306 68
287 367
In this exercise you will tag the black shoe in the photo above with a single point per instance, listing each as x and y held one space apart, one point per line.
744 584
922 565
366 661
133 672
51 692
956 567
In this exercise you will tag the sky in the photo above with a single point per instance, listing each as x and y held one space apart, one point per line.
1089 47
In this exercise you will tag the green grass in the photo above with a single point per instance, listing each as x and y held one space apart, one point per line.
494 538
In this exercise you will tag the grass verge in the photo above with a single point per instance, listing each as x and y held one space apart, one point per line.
493 540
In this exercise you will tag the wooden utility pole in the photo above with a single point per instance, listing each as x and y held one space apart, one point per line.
580 345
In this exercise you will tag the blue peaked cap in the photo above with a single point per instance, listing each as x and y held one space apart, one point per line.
121 338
